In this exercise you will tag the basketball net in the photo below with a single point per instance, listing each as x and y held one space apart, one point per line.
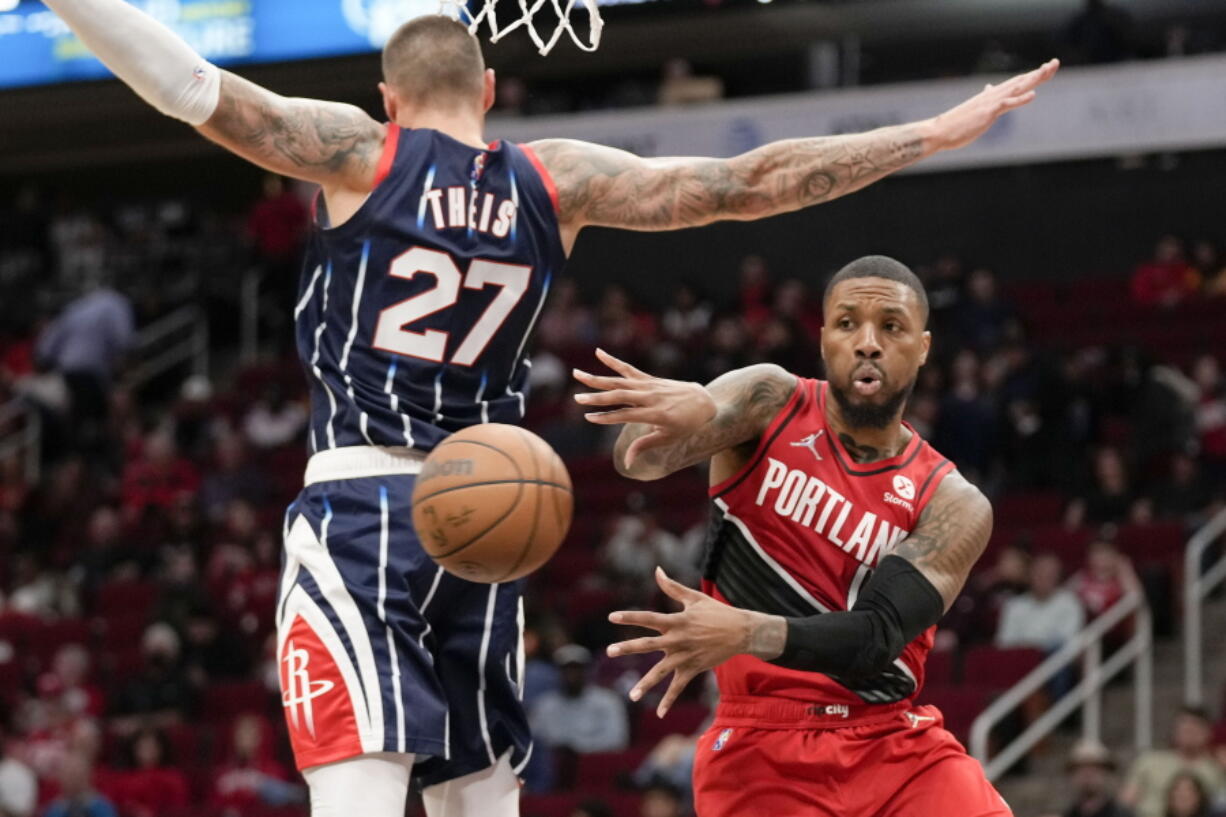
527 13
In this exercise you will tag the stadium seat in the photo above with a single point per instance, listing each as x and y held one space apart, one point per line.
226 700
548 805
683 719
939 668
1159 543
995 668
959 704
600 772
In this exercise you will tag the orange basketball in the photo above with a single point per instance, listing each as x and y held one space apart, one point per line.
492 503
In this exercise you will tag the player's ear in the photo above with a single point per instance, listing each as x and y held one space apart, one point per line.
926 344
390 103
490 93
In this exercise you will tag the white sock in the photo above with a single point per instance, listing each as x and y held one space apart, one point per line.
374 785
492 792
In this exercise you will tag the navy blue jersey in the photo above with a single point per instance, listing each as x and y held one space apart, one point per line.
413 316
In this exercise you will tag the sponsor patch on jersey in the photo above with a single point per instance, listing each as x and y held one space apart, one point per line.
722 740
904 487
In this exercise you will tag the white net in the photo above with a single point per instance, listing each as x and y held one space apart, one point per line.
488 15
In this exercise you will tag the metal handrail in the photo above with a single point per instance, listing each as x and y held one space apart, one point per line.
28 439
177 338
1096 674
1196 587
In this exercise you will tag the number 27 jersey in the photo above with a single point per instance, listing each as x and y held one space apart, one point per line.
798 531
413 316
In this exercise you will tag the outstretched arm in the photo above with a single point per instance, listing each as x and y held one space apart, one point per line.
602 186
335 145
908 593
671 425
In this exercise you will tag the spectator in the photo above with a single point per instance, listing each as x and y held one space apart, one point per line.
541 675
18 785
1168 279
1110 497
688 317
566 325
152 787
1104 580
1211 412
662 800
966 428
1153 773
160 695
1187 797
581 717
974 616
983 315
680 86
1046 615
251 774
274 420
277 226
754 295
85 344
158 477
71 667
1185 493
1091 769
592 807
77 796
638 543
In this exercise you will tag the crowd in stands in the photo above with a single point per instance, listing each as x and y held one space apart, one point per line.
138 574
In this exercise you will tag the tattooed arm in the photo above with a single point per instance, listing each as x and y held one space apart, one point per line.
606 187
333 144
907 594
671 425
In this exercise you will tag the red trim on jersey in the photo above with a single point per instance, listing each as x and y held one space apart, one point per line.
315 206
389 153
790 409
545 177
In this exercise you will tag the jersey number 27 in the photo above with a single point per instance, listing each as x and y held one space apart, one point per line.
390 334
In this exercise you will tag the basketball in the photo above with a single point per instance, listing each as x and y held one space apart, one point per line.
492 503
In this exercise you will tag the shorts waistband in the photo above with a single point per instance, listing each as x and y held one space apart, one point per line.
359 461
781 713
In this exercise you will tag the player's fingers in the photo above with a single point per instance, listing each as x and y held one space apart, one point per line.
1018 101
681 679
601 382
654 676
643 618
675 590
650 440
620 366
635 646
619 416
616 397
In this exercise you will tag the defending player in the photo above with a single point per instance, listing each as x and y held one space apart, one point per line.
431 260
840 538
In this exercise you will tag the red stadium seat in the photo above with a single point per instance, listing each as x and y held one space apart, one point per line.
1029 508
548 805
1160 543
223 701
599 772
127 598
939 668
996 668
959 704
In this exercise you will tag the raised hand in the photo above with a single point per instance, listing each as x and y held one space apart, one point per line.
705 634
672 408
965 123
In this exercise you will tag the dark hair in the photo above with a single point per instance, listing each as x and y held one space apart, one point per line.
433 59
881 266
1201 793
1198 712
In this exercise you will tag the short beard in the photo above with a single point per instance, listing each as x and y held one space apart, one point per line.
869 415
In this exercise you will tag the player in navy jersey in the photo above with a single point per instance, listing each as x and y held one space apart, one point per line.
431 260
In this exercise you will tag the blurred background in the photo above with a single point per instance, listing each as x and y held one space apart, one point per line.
152 414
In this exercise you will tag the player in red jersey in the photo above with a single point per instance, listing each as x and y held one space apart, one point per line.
840 538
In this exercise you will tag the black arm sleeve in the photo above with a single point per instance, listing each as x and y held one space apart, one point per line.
895 606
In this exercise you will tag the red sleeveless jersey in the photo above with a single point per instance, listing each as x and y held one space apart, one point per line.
797 532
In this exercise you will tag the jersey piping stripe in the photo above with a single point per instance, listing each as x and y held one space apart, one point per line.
393 657
310 291
798 401
485 404
421 640
895 467
319 331
481 661
425 189
519 353
353 333
775 566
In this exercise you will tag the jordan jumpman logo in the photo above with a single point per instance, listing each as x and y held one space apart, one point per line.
810 443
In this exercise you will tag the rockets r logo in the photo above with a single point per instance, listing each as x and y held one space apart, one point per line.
298 689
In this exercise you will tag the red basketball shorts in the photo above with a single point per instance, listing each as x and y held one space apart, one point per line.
792 759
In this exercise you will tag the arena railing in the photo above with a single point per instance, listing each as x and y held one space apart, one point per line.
178 338
1199 580
1086 647
26 439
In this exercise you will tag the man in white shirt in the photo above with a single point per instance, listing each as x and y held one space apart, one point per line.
1044 617
580 716
18 786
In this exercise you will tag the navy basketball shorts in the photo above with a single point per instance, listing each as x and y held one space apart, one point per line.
379 649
